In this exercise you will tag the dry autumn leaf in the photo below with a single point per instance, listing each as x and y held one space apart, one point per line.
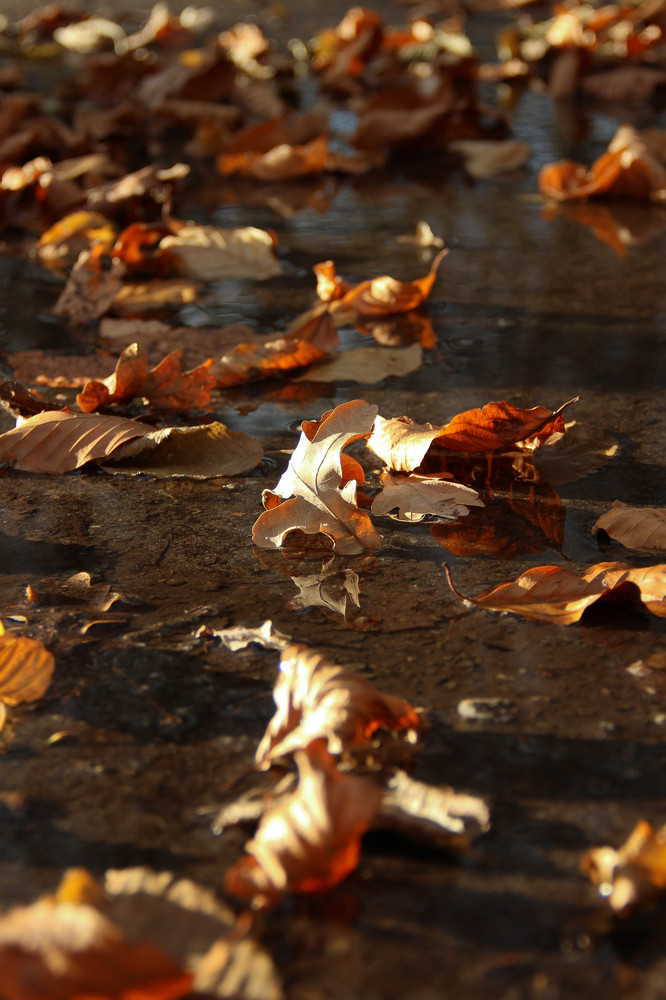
633 874
378 296
367 365
317 492
641 528
209 253
55 441
165 387
90 290
26 668
309 841
414 497
485 158
316 699
187 452
558 595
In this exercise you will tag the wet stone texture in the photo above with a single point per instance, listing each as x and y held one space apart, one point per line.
148 719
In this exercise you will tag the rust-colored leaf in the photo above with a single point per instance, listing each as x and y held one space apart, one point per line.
642 528
633 874
26 668
316 699
166 387
559 595
309 841
56 442
317 493
380 296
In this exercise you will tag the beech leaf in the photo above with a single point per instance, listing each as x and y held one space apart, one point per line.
55 441
641 528
321 482
26 668
559 595
367 365
417 496
210 253
316 699
188 452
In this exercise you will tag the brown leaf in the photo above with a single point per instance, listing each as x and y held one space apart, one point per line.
437 814
366 365
316 699
559 595
322 482
382 296
136 298
210 253
26 668
569 455
309 841
155 337
416 496
63 242
90 290
193 452
165 387
642 528
487 158
632 875
55 441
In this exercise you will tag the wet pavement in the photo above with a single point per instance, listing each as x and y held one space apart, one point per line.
153 721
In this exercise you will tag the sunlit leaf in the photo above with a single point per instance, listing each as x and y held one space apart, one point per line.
384 295
633 874
485 158
210 253
414 497
187 452
26 668
90 290
642 528
366 365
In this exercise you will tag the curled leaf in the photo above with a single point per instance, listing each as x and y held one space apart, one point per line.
632 874
416 496
642 528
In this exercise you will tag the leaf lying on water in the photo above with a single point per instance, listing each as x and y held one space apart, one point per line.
55 441
379 296
26 669
641 528
633 874
558 595
436 814
417 496
322 482
188 452
309 841
316 699
210 253
367 365
90 290
487 158
166 387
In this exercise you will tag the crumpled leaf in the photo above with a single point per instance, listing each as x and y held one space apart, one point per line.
641 528
486 158
55 441
210 253
633 167
559 595
436 814
316 699
417 496
62 243
240 636
367 365
422 237
633 874
310 840
379 296
403 444
166 387
188 452
321 482
332 591
90 290
26 668
569 455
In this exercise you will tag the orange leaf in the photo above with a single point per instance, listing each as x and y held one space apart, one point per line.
558 595
642 528
316 699
635 872
166 386
309 841
26 668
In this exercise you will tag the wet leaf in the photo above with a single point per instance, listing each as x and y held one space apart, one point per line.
62 243
59 371
332 590
310 840
569 455
641 528
414 497
188 452
422 237
26 668
558 595
436 814
56 442
90 290
316 699
165 387
633 874
485 158
239 637
367 365
632 167
321 483
136 298
384 295
210 253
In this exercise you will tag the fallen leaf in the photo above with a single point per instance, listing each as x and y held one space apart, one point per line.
321 482
75 589
559 595
239 637
59 371
384 295
641 528
485 158
367 365
422 237
210 253
331 590
632 167
624 83
310 840
569 455
633 874
137 297
316 699
165 387
56 442
437 814
90 290
26 668
158 338
63 242
187 452
414 497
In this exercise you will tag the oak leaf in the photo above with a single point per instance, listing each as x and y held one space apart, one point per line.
417 496
316 699
165 387
642 528
559 595
317 492
632 874
55 441
309 841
